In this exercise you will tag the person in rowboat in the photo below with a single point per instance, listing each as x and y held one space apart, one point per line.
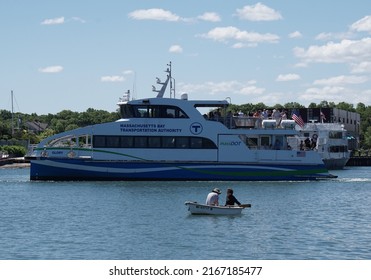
213 197
231 199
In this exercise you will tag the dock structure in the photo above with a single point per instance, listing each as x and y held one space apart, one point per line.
359 161
14 162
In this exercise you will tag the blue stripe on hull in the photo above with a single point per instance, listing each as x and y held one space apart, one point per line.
79 169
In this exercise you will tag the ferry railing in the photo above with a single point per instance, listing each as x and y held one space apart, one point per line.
247 122
30 150
250 122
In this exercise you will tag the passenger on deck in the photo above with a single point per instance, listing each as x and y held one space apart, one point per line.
276 115
211 115
277 145
302 145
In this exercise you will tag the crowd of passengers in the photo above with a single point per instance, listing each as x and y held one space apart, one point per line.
258 116
308 144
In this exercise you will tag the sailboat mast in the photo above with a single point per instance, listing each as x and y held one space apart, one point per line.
12 114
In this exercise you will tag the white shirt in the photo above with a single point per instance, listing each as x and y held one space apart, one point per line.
212 199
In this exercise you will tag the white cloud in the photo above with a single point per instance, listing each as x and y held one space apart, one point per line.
251 90
325 36
61 20
362 67
176 49
112 79
295 34
258 12
128 72
328 36
78 19
287 77
53 21
341 80
154 14
345 51
240 45
223 34
51 69
364 24
317 94
334 94
210 16
222 88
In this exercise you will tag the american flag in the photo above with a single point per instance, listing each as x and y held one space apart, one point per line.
323 117
297 118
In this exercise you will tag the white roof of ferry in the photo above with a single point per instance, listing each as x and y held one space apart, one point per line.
175 101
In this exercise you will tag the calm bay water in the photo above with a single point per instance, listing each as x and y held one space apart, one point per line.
148 220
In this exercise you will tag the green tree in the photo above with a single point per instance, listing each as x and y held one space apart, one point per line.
367 138
293 105
346 106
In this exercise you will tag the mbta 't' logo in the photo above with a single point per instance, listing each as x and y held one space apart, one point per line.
195 128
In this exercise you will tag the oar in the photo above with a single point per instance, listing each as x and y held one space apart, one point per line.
245 205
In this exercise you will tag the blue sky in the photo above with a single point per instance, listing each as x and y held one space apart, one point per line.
75 55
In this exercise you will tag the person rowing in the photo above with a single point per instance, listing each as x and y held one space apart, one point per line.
231 199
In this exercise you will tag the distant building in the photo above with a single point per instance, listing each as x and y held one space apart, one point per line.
36 127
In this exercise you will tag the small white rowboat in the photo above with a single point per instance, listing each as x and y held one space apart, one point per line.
203 209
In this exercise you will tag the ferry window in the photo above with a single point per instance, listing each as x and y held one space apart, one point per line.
154 112
142 111
154 142
140 142
127 142
113 141
252 142
173 112
181 114
335 134
208 144
99 141
84 141
265 141
338 149
168 142
127 111
182 142
170 113
196 142
158 112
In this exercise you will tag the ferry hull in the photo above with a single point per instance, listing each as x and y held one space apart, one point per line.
335 163
93 170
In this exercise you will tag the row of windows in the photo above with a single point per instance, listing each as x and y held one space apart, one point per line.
151 111
165 142
338 149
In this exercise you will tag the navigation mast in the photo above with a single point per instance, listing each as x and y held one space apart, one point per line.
160 93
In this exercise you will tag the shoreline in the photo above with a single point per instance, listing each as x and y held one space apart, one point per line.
15 165
18 162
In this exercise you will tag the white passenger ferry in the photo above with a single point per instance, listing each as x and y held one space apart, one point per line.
170 139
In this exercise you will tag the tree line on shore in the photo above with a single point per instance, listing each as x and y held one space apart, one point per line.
15 127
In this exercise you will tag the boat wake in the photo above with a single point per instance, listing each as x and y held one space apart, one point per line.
350 180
